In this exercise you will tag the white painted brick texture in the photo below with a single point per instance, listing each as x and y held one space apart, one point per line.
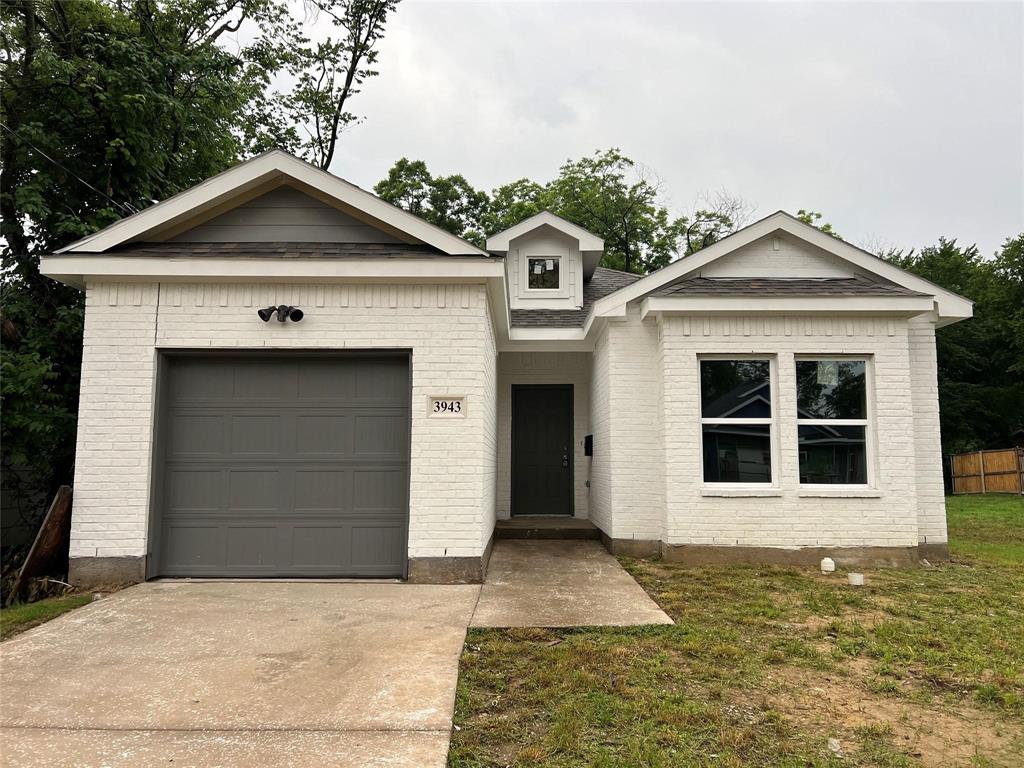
931 499
790 519
599 503
635 429
447 327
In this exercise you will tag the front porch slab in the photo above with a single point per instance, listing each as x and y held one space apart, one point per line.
534 583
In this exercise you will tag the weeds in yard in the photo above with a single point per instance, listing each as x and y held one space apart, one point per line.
766 664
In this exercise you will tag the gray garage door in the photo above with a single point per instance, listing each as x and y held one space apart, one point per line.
283 466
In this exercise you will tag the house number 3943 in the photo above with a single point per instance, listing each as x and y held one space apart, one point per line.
447 406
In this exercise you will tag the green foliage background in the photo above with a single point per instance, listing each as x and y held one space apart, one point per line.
110 106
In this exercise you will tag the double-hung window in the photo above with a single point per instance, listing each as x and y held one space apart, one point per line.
736 420
832 421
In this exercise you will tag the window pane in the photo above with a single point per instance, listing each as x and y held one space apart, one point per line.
831 389
543 273
831 455
735 389
737 453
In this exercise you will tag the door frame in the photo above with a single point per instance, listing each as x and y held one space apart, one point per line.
159 428
572 447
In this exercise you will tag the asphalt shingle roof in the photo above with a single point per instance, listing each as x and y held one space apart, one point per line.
603 282
761 286
279 250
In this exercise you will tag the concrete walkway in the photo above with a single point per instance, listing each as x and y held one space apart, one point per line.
292 674
239 674
561 584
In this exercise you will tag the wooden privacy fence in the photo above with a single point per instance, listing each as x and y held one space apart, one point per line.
989 471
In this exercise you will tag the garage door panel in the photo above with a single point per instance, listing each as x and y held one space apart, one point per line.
382 380
253 546
324 435
379 436
320 546
253 435
199 380
282 466
260 380
323 380
195 435
194 489
375 543
326 490
378 489
190 546
255 490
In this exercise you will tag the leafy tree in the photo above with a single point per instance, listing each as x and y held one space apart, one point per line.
108 106
812 218
512 203
606 193
329 74
981 361
450 202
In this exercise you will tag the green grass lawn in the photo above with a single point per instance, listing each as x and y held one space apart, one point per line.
18 618
766 664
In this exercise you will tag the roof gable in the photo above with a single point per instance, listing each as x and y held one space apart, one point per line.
948 306
588 240
284 214
255 178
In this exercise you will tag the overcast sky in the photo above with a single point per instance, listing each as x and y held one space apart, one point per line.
901 122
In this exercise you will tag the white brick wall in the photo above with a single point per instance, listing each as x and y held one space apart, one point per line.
790 517
637 394
599 504
446 326
635 429
489 405
931 500
544 368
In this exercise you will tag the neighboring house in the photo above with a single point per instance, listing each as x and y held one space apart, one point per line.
772 397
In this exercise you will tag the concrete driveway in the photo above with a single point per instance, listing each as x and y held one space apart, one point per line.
239 674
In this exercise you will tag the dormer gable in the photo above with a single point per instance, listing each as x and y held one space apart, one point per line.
547 261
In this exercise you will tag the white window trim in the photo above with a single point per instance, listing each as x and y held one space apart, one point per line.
838 489
542 291
738 489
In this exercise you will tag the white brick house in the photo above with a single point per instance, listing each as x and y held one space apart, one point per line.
772 397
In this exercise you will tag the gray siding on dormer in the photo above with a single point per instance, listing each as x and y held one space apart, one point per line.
284 215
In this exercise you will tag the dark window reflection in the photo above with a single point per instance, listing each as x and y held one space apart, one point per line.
737 453
832 455
735 389
831 389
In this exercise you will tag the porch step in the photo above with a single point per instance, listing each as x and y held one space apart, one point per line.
542 527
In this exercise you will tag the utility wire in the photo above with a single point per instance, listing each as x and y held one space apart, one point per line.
125 208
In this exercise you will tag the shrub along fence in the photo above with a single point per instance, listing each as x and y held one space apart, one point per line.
989 471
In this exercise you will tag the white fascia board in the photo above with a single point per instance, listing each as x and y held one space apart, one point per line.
588 240
75 270
546 334
821 305
497 299
949 304
548 345
260 170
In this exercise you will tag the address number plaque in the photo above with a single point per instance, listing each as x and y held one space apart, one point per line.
446 407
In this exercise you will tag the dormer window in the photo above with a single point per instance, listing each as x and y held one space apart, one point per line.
543 273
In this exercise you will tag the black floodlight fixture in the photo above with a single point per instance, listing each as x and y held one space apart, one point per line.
284 312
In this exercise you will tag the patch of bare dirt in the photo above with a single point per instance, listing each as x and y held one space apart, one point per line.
937 737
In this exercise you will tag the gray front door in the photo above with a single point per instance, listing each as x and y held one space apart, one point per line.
283 465
542 449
